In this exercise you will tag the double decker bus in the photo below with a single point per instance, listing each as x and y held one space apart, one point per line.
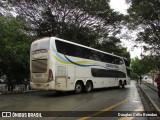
61 65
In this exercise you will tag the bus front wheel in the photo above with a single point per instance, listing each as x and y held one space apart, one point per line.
78 87
89 86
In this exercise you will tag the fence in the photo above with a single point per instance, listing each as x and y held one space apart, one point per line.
4 87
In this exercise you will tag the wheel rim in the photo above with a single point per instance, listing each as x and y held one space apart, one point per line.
78 88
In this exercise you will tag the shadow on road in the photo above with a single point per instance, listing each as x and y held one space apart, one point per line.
70 93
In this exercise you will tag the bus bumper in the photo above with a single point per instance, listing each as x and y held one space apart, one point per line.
43 86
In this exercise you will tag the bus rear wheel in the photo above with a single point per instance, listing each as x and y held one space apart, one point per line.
123 85
78 87
89 86
120 84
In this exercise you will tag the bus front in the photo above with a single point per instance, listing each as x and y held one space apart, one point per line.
40 74
128 69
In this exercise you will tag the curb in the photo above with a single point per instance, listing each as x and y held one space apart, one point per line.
154 105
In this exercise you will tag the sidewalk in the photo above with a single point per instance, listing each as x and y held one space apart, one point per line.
151 92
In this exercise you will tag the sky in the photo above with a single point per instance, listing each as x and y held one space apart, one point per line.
121 6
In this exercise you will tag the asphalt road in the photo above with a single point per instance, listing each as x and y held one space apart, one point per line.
99 104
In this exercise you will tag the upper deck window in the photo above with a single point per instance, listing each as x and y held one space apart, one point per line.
82 52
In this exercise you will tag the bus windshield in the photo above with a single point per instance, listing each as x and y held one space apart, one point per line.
39 66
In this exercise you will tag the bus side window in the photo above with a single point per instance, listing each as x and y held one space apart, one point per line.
93 55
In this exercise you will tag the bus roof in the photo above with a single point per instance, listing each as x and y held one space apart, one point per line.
80 45
86 47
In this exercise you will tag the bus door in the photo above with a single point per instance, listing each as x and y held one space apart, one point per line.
71 77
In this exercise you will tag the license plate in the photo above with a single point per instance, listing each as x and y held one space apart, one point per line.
38 75
38 85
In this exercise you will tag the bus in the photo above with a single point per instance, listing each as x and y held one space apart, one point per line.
61 65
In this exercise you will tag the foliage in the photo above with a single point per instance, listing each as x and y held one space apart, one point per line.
144 65
136 66
14 50
80 21
90 23
146 15
112 45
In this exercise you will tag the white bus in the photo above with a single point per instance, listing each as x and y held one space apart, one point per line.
61 65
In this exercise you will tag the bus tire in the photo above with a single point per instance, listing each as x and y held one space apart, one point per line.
120 84
123 85
78 88
89 86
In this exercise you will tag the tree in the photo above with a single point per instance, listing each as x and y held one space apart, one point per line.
146 15
144 65
136 66
80 21
88 22
14 50
112 45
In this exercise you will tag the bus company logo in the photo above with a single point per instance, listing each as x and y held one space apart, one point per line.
39 51
112 66
19 114
6 114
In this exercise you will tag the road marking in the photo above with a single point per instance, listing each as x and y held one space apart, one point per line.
104 110
131 118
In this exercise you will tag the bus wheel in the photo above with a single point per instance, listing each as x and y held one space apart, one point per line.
120 84
78 87
123 85
89 86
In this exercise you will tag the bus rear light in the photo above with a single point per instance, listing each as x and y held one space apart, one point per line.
50 76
